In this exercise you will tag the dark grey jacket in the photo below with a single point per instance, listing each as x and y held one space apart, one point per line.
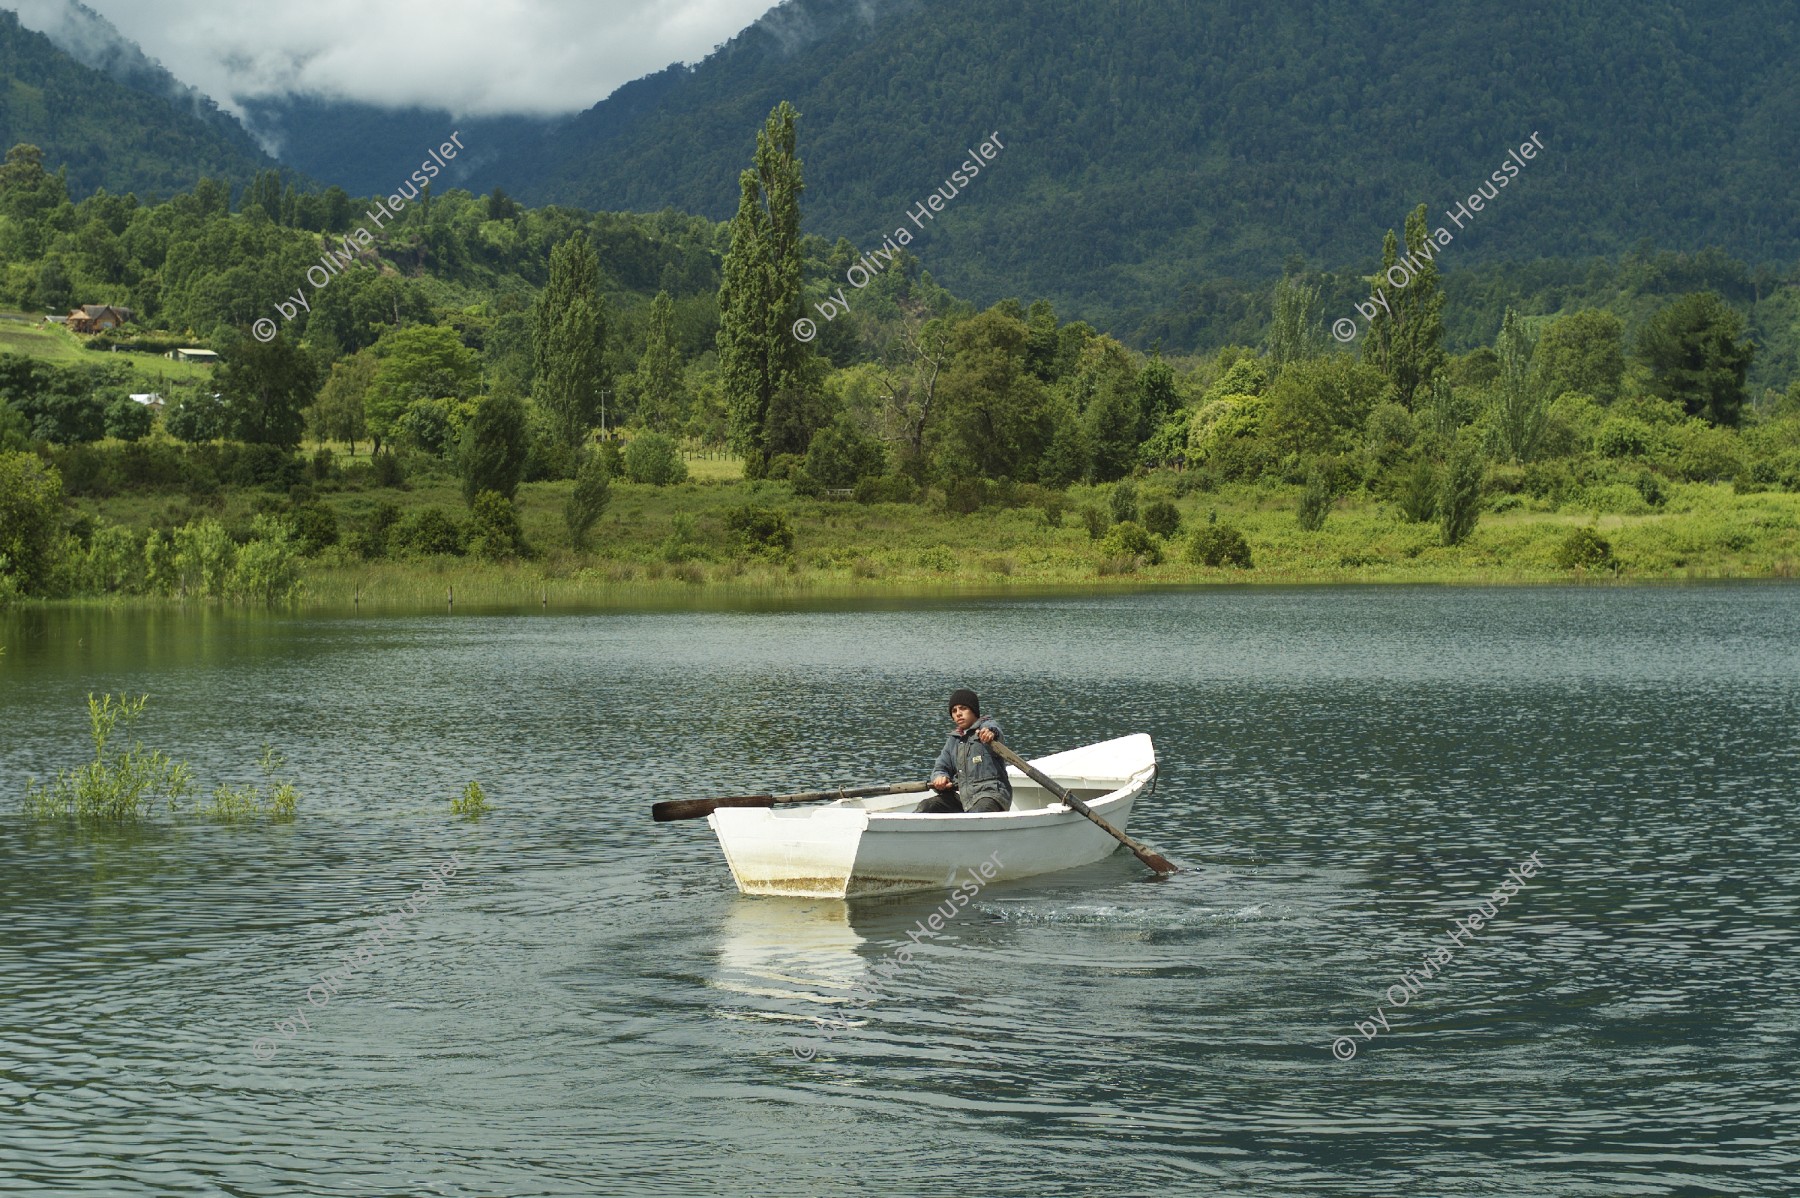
971 764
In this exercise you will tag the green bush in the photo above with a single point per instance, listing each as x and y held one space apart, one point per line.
1583 548
1418 495
427 532
683 543
1619 499
885 488
1706 454
1095 522
385 470
1131 539
842 455
1459 500
30 519
1316 497
1623 437
655 459
315 527
128 420
115 562
267 568
494 533
1162 518
1124 503
1217 544
371 540
965 496
761 531
203 557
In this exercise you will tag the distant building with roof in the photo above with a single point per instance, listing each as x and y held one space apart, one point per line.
96 318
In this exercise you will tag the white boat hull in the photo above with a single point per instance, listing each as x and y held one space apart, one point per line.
856 848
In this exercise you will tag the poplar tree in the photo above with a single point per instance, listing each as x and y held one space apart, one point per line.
765 368
1519 407
1293 333
659 381
568 341
1408 345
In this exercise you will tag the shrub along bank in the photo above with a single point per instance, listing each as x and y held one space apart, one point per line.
332 530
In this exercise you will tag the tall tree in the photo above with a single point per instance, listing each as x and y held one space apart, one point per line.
1518 405
1157 399
1294 334
493 448
266 387
1695 357
264 193
765 367
1406 337
569 341
338 413
659 380
1583 351
414 363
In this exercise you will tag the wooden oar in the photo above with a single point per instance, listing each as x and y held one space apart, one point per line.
1145 853
673 809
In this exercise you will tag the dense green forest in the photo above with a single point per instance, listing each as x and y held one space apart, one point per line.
1165 157
467 346
104 132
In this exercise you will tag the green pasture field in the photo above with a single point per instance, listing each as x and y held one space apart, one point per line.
59 347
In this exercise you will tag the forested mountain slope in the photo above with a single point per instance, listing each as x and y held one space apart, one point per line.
1153 144
146 135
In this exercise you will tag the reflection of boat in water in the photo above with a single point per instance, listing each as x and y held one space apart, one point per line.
791 950
870 846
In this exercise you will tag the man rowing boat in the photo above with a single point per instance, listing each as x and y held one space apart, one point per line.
968 777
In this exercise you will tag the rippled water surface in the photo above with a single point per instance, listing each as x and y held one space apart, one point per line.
589 1007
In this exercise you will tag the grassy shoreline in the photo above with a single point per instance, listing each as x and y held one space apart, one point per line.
666 547
671 545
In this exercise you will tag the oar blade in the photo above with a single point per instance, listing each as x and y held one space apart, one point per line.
1158 862
674 809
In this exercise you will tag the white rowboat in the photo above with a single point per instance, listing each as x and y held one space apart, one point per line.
855 848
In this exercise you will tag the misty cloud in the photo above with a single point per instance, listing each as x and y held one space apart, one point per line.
473 57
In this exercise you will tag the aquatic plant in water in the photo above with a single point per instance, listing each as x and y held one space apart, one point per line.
274 797
472 803
115 785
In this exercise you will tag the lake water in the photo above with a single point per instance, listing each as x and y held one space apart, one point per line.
589 1007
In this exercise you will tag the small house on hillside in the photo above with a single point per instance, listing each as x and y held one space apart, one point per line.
96 318
192 355
150 399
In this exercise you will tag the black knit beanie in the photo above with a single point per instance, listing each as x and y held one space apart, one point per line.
965 698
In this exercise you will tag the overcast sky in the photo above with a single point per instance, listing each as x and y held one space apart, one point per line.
474 57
